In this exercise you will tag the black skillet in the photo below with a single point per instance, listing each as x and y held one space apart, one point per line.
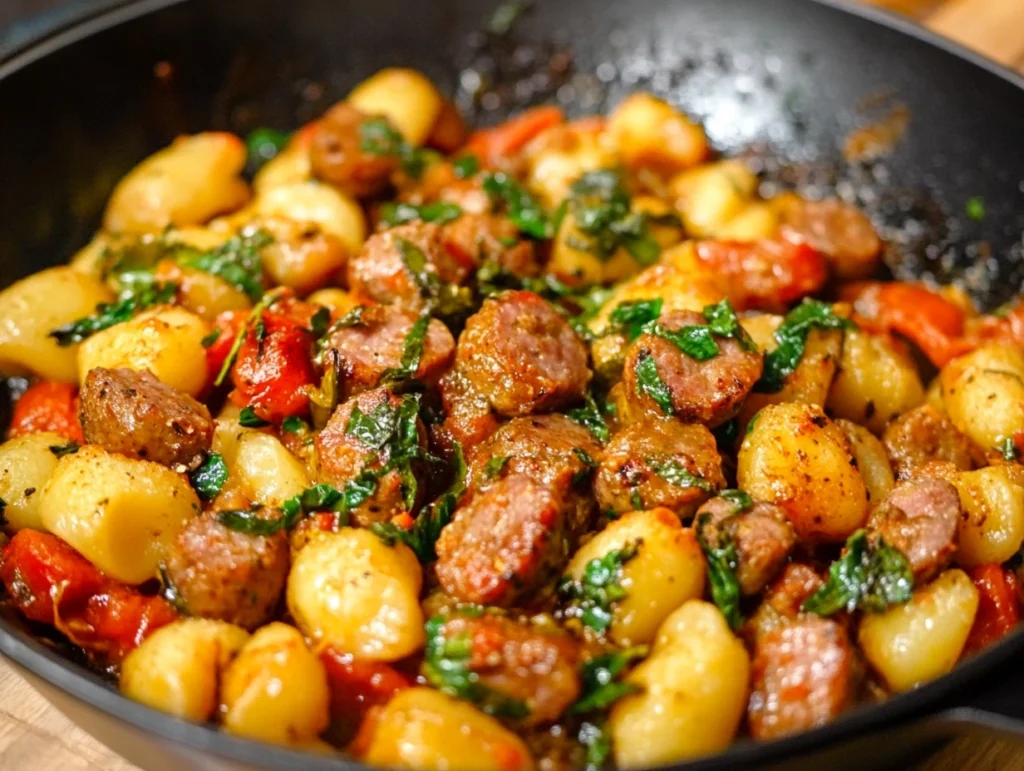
86 101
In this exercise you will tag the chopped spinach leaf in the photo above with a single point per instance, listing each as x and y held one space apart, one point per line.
598 677
694 340
412 353
597 742
209 479
792 340
237 262
870 575
392 214
466 166
320 321
60 450
264 144
723 321
649 382
522 208
673 472
632 316
740 500
726 434
129 302
590 417
592 596
294 425
378 137
211 338
317 498
249 419
722 560
446 299
494 467
589 465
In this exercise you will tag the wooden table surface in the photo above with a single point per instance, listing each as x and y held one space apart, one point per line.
36 737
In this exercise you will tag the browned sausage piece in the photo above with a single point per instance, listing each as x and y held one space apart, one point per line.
337 154
134 414
550 449
228 575
375 343
343 454
802 676
480 238
920 518
763 536
839 231
523 355
708 392
659 462
782 600
505 545
469 419
386 270
924 434
520 662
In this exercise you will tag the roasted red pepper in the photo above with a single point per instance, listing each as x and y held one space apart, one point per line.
51 583
764 275
493 145
47 406
998 607
228 325
930 321
357 685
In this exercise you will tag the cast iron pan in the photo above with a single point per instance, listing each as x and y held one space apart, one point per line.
789 77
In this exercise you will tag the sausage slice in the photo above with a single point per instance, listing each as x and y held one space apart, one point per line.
134 414
337 154
920 518
839 231
924 434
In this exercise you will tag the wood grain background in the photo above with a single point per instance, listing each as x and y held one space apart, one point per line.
35 737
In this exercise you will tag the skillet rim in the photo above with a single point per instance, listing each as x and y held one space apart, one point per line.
88 689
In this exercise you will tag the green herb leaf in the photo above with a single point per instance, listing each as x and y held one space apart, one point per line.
695 341
264 144
589 466
320 321
237 261
170 593
294 425
792 339
1008 449
251 522
494 467
598 745
722 560
107 315
60 450
317 498
523 209
324 400
590 417
466 166
723 321
673 472
211 338
649 382
598 677
209 479
378 137
392 213
975 208
726 435
412 353
870 575
740 500
632 316
255 319
249 419
506 15
591 598
446 299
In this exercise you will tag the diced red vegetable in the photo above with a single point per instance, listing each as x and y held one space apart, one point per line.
492 145
765 275
357 685
228 325
51 583
998 606
47 406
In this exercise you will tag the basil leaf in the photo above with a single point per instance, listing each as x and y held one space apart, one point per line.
209 479
649 382
722 560
249 521
392 214
447 667
598 745
446 299
870 575
211 338
631 316
589 465
740 500
589 416
320 321
264 144
249 419
697 342
792 340
522 208
591 598
107 315
237 262
378 137
466 166
598 679
60 450
254 321
294 425
317 498
170 593
673 472
412 353
723 321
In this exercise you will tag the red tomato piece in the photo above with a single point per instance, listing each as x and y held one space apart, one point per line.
765 275
118 619
45 576
274 370
228 325
492 145
47 406
357 686
930 321
998 608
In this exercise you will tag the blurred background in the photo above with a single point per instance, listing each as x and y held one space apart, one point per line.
993 27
